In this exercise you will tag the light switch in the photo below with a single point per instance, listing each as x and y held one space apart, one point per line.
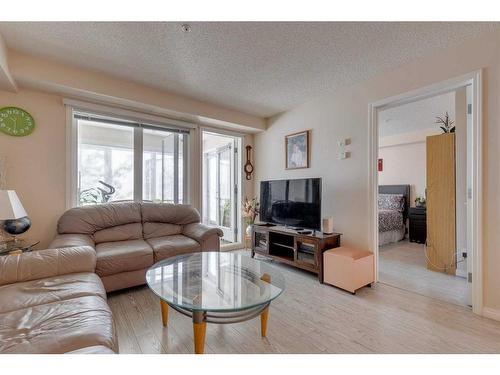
344 142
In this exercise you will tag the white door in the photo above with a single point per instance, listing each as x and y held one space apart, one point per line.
220 185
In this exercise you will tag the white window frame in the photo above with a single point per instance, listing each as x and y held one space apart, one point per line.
73 106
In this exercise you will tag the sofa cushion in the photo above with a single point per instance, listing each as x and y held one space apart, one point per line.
152 230
179 214
121 256
90 219
58 327
52 289
169 246
124 232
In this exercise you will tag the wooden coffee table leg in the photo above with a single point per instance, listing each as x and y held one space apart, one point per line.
265 313
199 329
164 312
263 321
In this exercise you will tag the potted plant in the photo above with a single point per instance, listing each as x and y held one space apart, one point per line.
250 212
445 123
420 201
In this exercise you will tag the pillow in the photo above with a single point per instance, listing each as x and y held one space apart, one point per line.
394 202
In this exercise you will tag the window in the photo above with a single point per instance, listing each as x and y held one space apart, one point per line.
105 162
119 160
163 166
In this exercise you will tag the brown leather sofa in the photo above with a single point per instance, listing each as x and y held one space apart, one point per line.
129 237
51 301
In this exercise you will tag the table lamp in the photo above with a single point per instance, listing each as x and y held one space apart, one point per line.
13 217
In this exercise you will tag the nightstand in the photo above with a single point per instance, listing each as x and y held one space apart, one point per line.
418 224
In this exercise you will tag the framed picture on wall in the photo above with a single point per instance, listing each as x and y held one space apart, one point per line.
297 150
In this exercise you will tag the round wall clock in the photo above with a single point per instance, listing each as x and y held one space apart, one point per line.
16 121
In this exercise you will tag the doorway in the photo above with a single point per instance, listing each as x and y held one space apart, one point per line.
472 217
221 184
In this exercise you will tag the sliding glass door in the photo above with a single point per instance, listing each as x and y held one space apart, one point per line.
123 160
221 184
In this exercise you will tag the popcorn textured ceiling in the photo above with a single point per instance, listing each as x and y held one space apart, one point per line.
255 67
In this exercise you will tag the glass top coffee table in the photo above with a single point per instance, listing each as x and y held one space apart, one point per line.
215 287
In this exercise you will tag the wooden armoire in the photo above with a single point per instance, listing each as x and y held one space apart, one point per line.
441 196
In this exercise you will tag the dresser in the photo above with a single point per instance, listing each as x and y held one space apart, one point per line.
418 224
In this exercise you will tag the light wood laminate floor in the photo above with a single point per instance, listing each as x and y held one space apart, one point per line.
403 265
313 318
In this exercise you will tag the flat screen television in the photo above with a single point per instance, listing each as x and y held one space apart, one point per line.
295 203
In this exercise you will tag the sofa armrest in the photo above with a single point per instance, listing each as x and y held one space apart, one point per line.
71 240
46 263
200 232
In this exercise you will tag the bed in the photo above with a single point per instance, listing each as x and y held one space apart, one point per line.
393 203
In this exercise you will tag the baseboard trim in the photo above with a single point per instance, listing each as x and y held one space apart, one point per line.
461 273
494 314
232 246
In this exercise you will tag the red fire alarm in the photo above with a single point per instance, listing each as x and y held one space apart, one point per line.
380 165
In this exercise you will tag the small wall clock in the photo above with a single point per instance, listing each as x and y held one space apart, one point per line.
16 121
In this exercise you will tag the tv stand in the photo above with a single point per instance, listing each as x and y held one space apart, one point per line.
285 245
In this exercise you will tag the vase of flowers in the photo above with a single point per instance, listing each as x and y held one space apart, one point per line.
250 212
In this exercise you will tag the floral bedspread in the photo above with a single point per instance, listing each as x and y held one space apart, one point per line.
389 220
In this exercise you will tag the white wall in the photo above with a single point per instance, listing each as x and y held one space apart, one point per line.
417 115
344 114
403 131
6 80
404 164
36 165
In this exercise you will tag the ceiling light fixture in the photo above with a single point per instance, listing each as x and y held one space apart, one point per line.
185 28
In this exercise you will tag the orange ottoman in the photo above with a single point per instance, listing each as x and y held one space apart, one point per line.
348 268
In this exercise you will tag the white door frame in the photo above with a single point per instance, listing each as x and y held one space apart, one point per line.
474 231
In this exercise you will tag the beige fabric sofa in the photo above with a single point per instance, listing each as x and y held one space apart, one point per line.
129 237
51 301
